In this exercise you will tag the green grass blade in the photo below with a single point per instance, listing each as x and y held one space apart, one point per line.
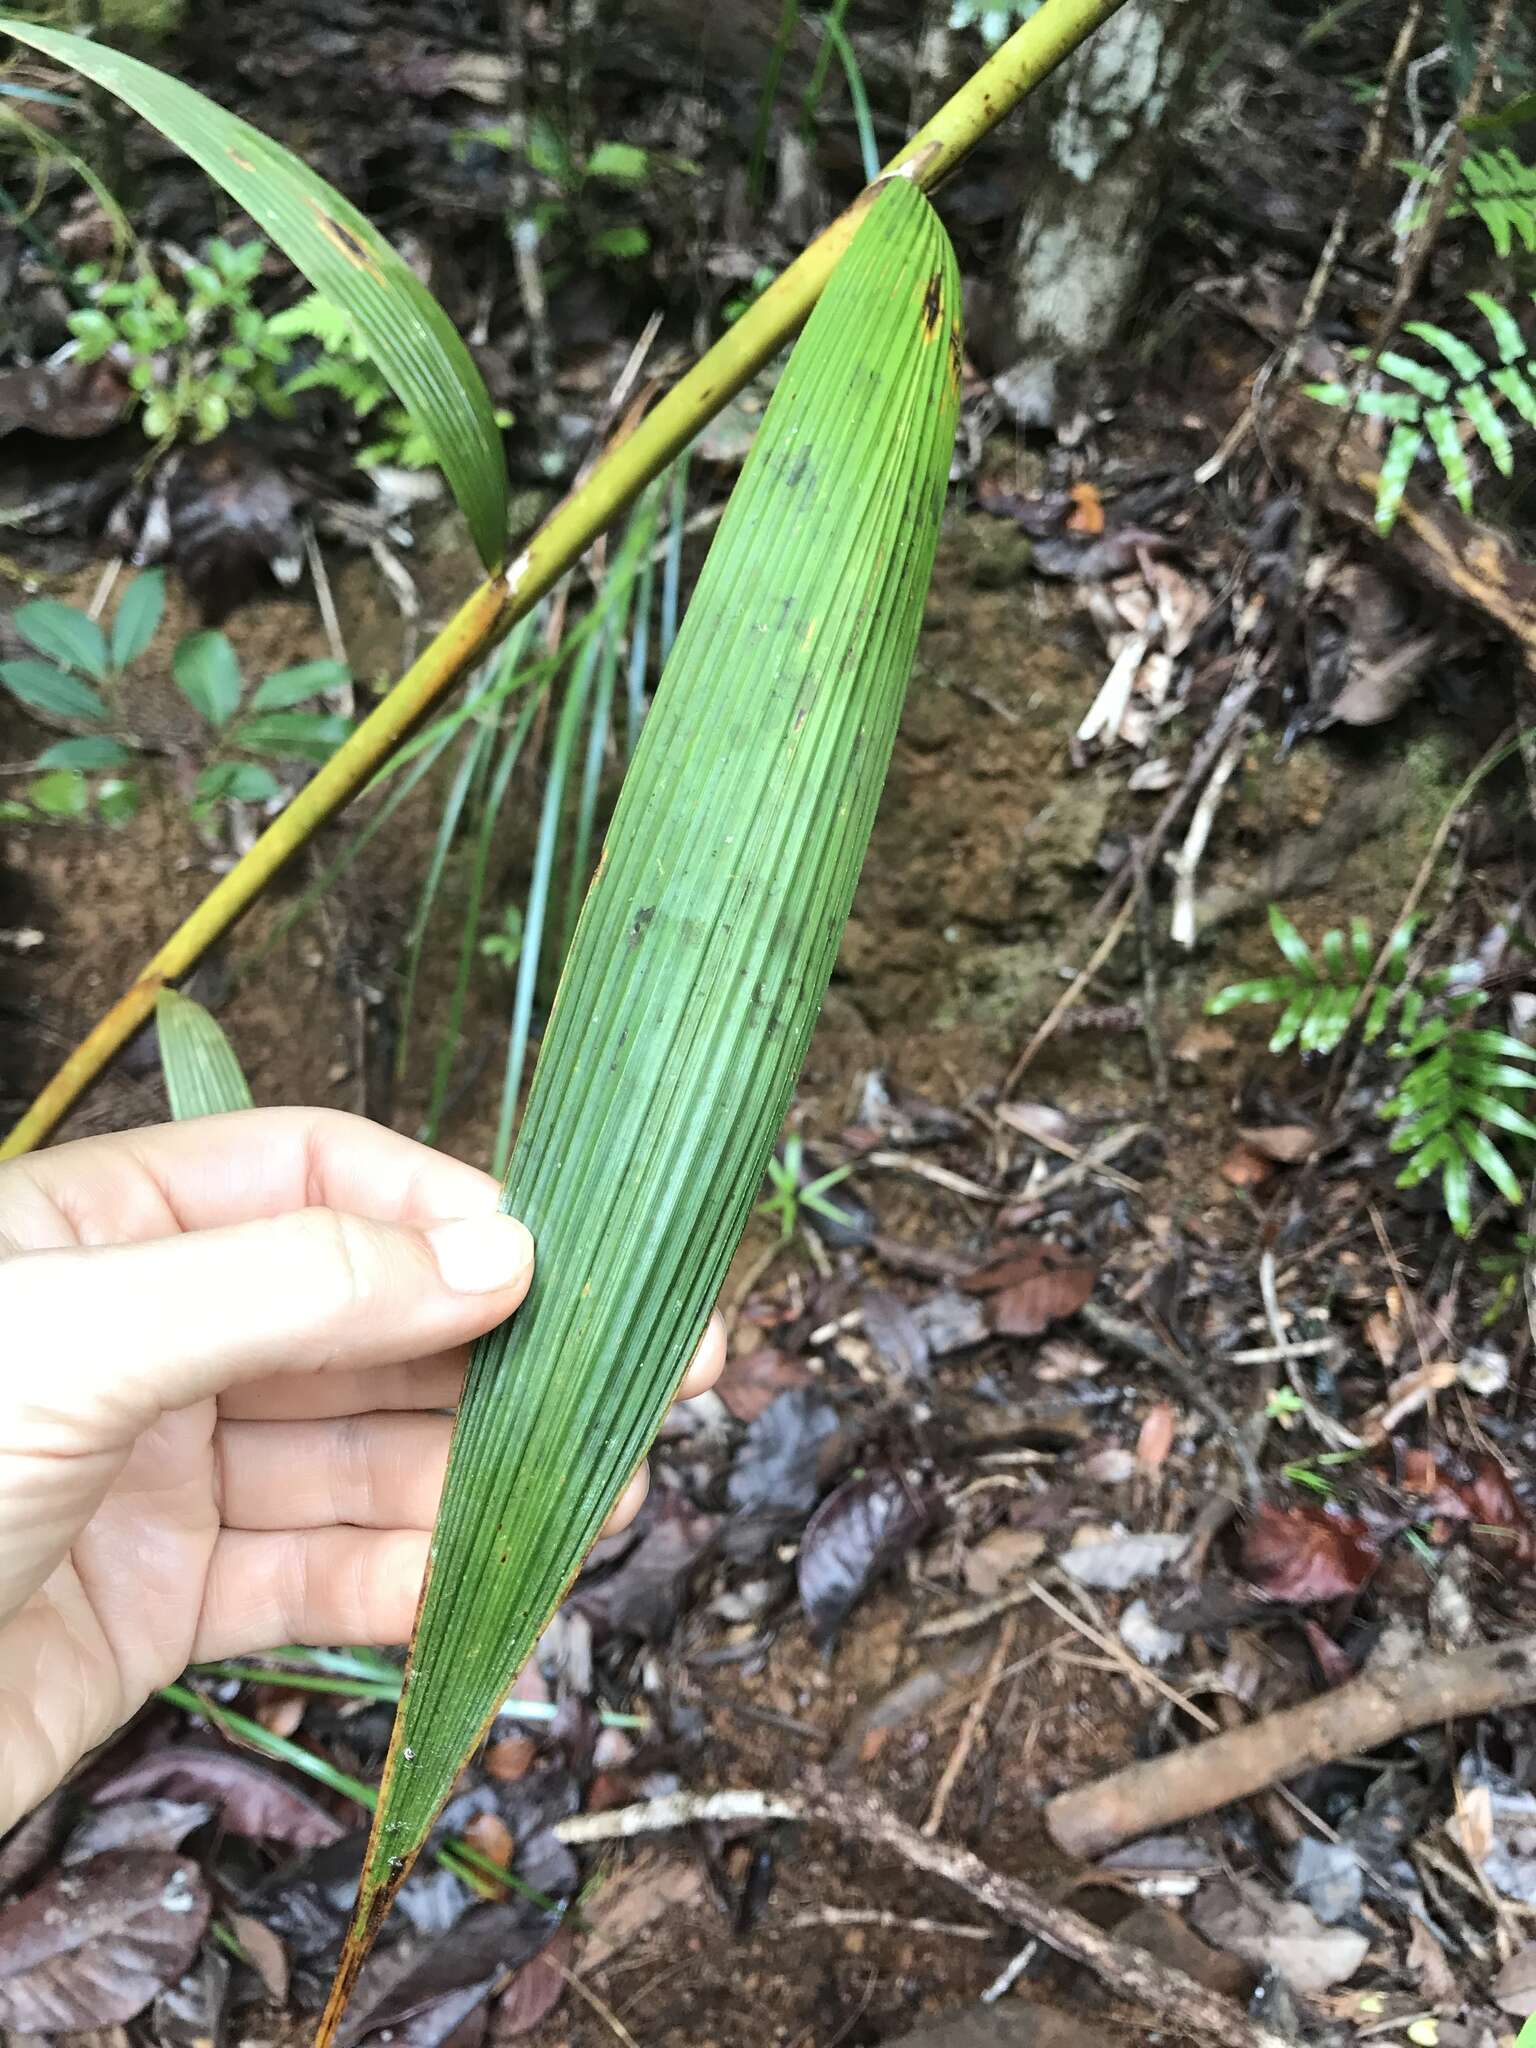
703 951
202 1075
410 337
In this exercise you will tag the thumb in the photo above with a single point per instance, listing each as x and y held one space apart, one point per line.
109 1338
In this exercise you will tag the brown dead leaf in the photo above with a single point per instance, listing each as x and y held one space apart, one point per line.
1384 1335
748 1384
1155 1440
1436 1979
1032 1305
1087 514
265 1953
283 1713
1474 1816
1406 1396
511 1758
1286 1144
1245 1168
1304 1554
629 1904
987 1565
489 1833
1203 1042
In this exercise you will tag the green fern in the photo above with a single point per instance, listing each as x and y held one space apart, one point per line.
1458 1080
345 367
1318 997
1496 187
1429 407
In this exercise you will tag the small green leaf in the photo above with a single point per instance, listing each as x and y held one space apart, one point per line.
619 160
1491 430
1463 359
92 752
1493 1111
138 617
50 690
207 673
625 242
117 799
65 635
297 685
1507 338
1432 384
294 735
1292 1019
1295 948
1516 387
244 781
1484 1153
63 794
1396 468
1445 436
1456 1182
1241 993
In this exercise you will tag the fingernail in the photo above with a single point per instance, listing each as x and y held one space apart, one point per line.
481 1254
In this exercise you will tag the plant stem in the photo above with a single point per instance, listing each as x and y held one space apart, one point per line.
1029 55
787 22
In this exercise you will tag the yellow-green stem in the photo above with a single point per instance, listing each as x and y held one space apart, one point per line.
1028 56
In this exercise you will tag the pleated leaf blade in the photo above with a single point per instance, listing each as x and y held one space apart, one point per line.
410 337
202 1074
694 979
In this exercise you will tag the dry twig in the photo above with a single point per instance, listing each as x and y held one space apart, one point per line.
1396 1693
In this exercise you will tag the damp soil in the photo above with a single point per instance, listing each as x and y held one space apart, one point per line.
988 856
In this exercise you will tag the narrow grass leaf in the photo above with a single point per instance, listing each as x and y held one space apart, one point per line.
408 334
699 965
202 1074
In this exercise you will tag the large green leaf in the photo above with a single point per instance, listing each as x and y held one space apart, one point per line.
693 982
344 257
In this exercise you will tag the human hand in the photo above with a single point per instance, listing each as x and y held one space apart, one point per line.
225 1345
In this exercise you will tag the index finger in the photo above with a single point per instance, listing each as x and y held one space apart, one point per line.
137 1185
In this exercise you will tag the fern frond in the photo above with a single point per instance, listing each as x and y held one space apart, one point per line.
1318 997
1457 1083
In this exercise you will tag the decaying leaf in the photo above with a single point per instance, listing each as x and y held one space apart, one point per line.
750 1381
135 1824
1041 1286
459 1969
988 1565
631 1901
1514 1988
1111 1563
249 1798
777 1469
858 1532
642 1595
536 1989
1286 1144
91 1946
1280 1935
1306 1554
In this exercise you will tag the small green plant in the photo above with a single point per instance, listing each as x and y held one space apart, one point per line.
1317 997
577 221
1430 408
346 367
505 945
1496 187
198 355
793 1194
1457 1080
76 677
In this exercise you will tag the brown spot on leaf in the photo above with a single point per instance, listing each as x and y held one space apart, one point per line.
351 245
933 304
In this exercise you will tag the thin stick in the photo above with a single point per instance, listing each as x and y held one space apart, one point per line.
965 1741
604 2011
1029 55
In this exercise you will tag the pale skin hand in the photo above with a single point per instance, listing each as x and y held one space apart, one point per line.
222 1344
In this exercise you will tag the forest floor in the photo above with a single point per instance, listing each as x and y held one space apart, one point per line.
1125 1401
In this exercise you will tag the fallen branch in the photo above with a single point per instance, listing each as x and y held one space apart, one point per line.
1175 1998
1435 541
1400 1690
